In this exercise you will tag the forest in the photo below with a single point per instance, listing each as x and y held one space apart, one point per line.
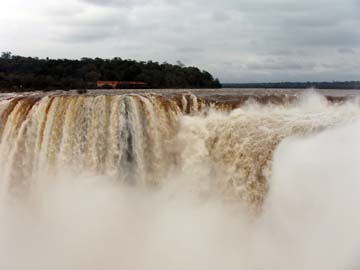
19 73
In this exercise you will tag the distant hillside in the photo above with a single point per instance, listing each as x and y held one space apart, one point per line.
18 73
297 85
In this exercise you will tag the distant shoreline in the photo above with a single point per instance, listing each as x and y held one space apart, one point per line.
297 85
346 85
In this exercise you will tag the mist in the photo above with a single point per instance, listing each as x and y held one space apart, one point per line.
258 187
307 214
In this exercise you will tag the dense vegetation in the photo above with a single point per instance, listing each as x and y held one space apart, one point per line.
297 85
18 73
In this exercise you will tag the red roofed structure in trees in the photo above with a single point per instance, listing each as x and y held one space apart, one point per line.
121 84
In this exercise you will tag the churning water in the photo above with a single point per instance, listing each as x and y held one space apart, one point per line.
152 181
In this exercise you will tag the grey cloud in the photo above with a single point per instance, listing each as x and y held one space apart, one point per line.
309 21
328 38
236 40
190 50
107 2
81 29
279 66
346 51
220 16
86 37
65 11
281 52
115 3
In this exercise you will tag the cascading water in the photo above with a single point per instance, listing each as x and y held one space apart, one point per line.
122 136
152 178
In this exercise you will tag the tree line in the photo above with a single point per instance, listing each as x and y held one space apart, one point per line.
19 73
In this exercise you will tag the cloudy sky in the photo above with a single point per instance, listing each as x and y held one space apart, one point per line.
236 40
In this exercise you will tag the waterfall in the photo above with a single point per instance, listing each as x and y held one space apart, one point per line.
178 181
126 137
147 139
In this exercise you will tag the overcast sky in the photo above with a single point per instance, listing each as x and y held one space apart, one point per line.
236 40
